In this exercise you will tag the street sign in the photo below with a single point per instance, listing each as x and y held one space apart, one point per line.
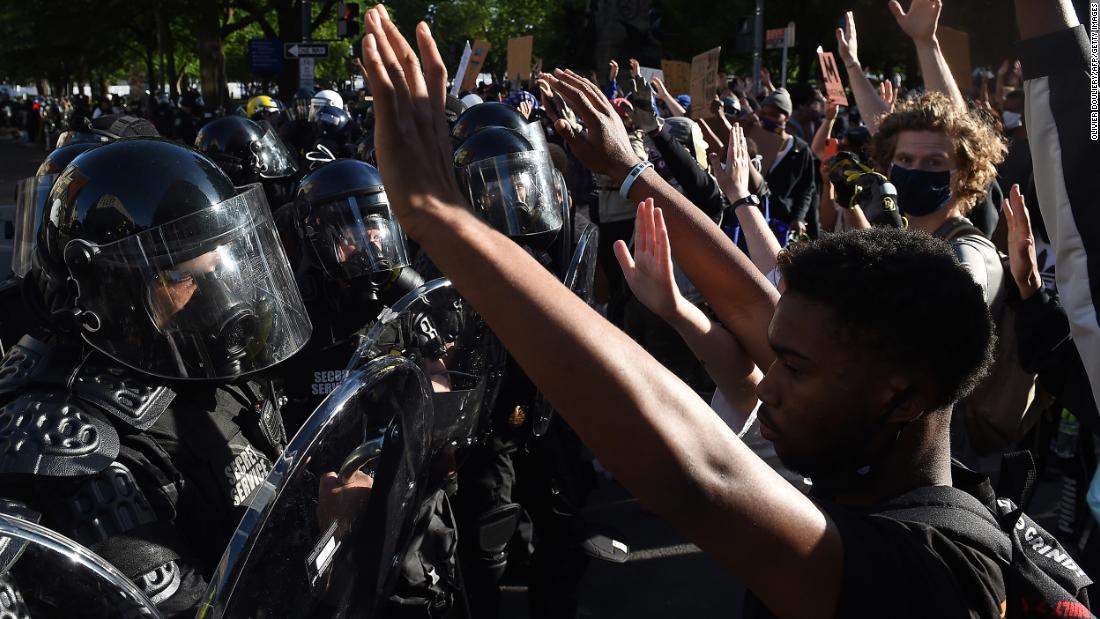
305 74
264 57
776 38
305 50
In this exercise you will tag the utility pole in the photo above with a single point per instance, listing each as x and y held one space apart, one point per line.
757 45
305 65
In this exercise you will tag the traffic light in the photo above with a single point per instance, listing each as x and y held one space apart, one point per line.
347 20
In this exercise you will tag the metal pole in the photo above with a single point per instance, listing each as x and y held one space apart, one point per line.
783 77
305 65
758 44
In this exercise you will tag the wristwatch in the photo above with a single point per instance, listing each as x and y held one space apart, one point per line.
749 199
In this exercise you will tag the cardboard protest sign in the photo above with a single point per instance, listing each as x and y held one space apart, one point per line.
478 53
649 74
703 69
834 87
460 73
768 144
677 76
519 57
955 45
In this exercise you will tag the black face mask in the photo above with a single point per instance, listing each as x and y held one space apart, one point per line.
920 192
216 325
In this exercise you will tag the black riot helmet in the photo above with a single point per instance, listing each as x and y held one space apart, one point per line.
30 201
511 183
152 257
345 225
485 115
245 150
331 120
31 192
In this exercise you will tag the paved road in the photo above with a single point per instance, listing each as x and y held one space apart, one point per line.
17 161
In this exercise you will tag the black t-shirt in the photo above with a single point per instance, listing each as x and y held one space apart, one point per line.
897 567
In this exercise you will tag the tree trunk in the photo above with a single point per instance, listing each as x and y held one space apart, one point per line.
211 53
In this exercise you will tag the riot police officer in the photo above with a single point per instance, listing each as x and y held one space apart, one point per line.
505 168
350 259
136 429
250 152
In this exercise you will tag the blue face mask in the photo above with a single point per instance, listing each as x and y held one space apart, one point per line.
920 192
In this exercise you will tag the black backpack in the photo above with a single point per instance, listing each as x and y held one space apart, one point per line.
1041 579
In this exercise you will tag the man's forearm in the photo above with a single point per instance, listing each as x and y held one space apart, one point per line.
937 75
673 105
761 241
737 292
871 106
722 357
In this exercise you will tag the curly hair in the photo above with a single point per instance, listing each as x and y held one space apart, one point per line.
903 296
978 145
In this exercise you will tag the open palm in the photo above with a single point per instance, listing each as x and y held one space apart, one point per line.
649 271
921 19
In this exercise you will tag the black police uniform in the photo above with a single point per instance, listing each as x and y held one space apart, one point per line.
152 475
147 257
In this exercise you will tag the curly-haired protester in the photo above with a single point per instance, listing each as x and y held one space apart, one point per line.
877 334
942 159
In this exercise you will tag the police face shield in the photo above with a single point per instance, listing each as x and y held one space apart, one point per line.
516 194
44 574
275 159
356 236
337 513
30 201
206 296
438 331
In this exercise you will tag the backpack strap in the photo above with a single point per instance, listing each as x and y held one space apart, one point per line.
955 227
1018 476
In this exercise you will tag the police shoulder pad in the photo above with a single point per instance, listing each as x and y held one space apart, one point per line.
53 434
133 398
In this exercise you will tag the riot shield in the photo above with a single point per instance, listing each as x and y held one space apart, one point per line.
580 277
433 327
581 274
44 574
336 513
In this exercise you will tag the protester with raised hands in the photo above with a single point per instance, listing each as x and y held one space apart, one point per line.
920 23
857 402
674 107
734 177
1042 328
871 106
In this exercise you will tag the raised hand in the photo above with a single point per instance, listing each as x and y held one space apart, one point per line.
921 19
887 93
846 41
604 146
733 175
649 272
659 88
612 70
1021 245
525 108
635 67
410 129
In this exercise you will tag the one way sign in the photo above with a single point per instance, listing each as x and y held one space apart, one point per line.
305 50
